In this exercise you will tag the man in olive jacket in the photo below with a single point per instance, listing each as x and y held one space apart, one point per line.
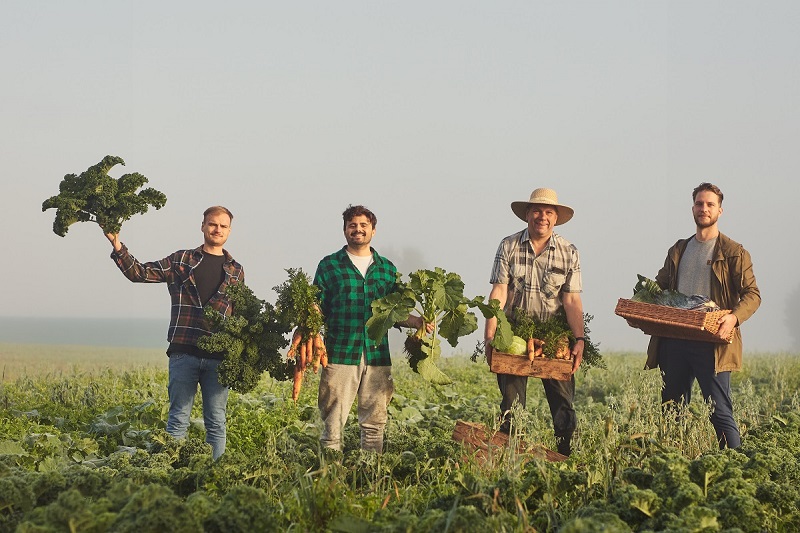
711 264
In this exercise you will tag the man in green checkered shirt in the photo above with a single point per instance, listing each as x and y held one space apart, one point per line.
349 281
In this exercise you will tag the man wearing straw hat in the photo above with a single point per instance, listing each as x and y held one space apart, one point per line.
711 264
538 271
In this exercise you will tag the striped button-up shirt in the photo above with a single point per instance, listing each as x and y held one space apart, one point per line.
187 322
535 283
346 297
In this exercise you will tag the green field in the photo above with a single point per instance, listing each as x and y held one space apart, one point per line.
38 360
83 448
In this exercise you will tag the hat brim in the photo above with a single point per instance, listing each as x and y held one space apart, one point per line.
564 212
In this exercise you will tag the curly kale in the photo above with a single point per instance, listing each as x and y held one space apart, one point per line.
94 196
250 339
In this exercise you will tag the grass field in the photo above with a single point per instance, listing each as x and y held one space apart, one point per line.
18 360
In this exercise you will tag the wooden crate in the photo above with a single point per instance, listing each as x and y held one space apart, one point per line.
480 440
540 367
663 321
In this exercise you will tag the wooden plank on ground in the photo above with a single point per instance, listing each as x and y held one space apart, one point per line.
479 438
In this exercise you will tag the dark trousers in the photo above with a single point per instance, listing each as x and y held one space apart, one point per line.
560 395
682 362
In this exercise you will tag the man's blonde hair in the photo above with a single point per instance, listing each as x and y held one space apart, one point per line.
216 210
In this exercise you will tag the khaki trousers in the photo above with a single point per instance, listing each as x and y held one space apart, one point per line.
339 385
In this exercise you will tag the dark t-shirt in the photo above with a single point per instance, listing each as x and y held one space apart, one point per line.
208 276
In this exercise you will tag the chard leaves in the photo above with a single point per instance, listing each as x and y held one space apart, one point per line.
438 298
387 311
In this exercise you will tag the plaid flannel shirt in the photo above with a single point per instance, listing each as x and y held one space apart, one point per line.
346 297
187 322
536 283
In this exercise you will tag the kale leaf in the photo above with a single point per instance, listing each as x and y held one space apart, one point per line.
251 339
94 196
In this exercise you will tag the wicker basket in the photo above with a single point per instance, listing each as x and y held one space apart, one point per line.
663 321
540 367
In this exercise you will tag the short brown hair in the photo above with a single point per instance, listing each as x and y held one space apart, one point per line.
353 211
216 210
705 186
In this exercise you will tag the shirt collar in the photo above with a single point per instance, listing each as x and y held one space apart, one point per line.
342 255
525 237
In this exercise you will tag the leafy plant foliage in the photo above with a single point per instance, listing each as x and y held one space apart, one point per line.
554 331
88 452
251 339
438 298
94 196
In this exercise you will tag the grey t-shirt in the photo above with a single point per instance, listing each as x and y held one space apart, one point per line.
694 270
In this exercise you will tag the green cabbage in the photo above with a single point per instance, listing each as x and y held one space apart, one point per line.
518 346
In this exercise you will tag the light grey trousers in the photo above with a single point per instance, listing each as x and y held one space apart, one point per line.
339 385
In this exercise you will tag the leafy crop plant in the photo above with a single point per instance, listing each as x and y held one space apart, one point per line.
438 297
94 196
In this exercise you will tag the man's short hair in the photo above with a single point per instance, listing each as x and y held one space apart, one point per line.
353 211
705 186
216 210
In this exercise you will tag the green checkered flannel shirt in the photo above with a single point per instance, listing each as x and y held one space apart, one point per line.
346 298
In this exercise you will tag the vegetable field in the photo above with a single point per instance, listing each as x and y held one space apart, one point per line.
85 450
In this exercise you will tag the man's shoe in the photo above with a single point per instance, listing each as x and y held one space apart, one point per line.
563 445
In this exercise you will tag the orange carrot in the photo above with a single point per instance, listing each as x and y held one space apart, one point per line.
531 349
298 382
309 351
295 343
319 348
539 348
303 359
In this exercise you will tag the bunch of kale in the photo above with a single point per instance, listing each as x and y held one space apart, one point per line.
94 196
250 338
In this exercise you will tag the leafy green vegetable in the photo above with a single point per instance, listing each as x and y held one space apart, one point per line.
554 332
250 338
298 302
519 346
648 291
438 298
94 196
298 305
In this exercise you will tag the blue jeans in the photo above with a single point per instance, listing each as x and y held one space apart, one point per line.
185 373
682 361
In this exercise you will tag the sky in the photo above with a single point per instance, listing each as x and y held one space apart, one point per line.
435 115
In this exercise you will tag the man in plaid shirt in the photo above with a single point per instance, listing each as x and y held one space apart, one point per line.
539 272
349 281
194 278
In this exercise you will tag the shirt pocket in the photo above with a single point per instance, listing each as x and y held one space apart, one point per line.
552 283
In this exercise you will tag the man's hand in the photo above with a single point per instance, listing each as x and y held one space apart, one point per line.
726 325
577 355
113 238
487 346
415 322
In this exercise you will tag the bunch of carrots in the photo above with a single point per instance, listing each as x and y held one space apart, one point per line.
298 304
307 348
536 348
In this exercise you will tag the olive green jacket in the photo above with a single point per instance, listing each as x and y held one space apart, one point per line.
733 286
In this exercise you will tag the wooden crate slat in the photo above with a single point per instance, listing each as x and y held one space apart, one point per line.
540 367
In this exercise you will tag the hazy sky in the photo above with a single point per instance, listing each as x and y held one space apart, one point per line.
436 115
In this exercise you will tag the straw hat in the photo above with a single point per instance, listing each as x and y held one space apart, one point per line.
546 197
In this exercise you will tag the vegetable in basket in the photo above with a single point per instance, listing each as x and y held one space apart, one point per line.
648 291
